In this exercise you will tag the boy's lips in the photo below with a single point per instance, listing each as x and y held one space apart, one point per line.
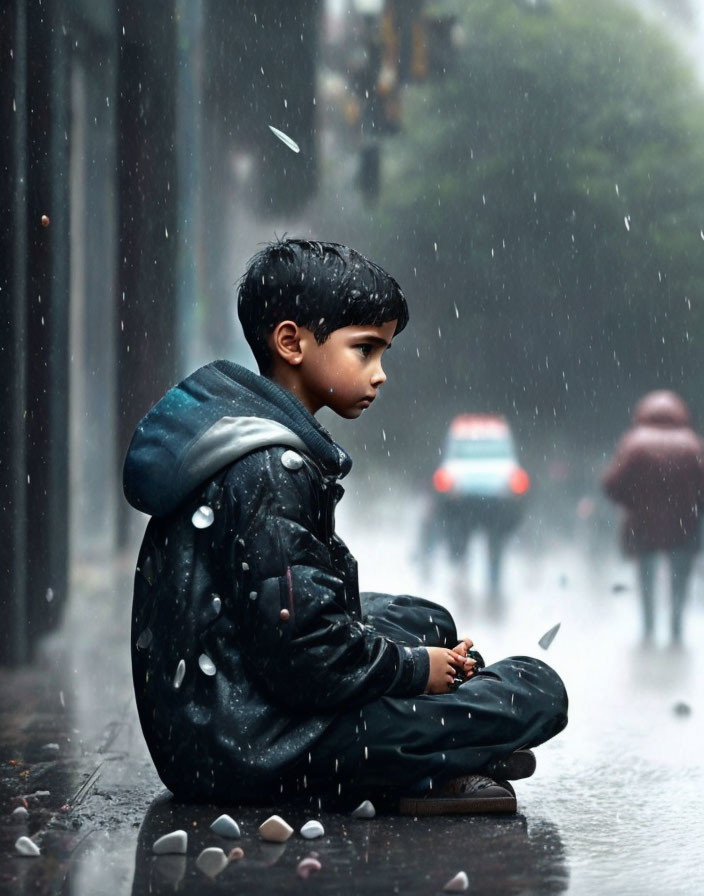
367 400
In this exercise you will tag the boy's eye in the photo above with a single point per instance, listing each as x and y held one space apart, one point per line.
365 349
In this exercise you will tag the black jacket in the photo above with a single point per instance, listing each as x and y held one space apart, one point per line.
247 630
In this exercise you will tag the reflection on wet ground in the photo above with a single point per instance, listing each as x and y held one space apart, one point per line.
614 807
386 854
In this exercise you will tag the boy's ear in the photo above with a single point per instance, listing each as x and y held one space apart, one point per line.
286 342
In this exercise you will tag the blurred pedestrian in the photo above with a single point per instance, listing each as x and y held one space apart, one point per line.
657 476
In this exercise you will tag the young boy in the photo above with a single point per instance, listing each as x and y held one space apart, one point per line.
259 670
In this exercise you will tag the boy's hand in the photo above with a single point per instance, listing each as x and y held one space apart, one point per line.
445 664
463 648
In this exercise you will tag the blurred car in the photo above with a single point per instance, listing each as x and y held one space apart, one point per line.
479 485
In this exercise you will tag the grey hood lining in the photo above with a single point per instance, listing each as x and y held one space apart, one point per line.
230 438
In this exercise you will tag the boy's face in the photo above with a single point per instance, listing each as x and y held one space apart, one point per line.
345 372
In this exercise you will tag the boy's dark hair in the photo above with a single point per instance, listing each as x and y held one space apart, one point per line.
319 286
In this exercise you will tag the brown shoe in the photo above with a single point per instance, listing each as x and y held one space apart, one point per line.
468 795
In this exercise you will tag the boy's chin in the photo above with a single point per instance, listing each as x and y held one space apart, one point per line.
348 413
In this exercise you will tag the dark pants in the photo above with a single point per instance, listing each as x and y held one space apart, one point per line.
681 563
396 743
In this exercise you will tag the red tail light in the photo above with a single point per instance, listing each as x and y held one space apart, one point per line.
520 481
442 480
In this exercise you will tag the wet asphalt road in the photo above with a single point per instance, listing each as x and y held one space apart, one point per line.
614 807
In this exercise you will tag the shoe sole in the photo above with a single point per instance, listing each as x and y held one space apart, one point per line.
457 805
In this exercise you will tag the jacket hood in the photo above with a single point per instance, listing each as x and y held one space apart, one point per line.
662 408
218 414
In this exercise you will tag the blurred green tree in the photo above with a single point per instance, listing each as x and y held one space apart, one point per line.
544 208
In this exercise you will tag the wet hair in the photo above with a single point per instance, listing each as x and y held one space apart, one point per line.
319 286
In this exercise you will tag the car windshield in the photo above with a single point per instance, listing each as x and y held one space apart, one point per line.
479 449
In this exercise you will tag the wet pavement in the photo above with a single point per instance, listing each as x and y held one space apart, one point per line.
614 807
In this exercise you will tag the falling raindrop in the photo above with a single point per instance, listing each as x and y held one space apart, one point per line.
627 222
145 639
203 517
147 570
549 636
217 604
284 138
180 672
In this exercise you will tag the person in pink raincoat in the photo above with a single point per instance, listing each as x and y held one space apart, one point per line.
657 476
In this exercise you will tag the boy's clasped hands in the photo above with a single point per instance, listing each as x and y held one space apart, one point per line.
448 664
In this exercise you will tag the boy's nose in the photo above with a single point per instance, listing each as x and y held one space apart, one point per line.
379 377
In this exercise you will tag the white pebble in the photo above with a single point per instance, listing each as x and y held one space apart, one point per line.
212 861
226 827
312 829
175 842
275 829
26 847
19 814
364 810
305 866
458 884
